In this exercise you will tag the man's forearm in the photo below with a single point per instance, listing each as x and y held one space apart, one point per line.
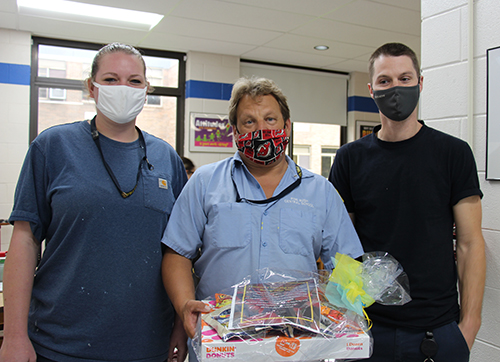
471 265
178 279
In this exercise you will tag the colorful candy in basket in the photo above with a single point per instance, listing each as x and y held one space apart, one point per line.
299 316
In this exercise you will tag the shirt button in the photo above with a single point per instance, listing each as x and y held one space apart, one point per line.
264 244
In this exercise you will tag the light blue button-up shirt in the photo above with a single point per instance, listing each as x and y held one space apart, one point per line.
238 238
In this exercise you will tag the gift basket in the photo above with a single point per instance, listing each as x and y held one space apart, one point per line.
288 315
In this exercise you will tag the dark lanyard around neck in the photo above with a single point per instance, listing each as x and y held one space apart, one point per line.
282 194
95 137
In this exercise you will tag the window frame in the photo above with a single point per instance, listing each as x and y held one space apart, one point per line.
46 82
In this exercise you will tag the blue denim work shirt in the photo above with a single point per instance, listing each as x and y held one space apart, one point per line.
237 238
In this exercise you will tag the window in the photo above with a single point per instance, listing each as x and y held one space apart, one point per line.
59 95
302 156
323 141
58 70
327 157
153 100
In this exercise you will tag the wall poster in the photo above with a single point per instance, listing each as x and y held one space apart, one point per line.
364 128
211 132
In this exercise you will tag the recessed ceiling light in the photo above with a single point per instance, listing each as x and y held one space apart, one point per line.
321 47
89 14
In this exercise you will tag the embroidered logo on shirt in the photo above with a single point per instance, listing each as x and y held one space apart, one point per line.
303 202
162 184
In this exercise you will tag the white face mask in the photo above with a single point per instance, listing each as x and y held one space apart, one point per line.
120 103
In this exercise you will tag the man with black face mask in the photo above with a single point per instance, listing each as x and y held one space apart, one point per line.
405 186
254 210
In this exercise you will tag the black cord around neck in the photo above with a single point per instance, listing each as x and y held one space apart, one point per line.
95 137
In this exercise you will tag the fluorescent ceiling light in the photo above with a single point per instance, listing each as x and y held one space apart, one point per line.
89 14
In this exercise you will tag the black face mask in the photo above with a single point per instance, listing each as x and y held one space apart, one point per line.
397 103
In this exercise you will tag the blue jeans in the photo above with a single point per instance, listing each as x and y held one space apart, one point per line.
43 359
393 344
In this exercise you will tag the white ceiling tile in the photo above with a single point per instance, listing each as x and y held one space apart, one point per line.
240 14
406 4
314 8
378 16
349 66
209 30
153 6
289 57
185 44
351 33
307 44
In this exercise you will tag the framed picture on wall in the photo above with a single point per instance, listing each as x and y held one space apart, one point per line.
364 128
210 132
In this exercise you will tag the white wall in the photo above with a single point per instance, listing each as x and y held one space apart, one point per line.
215 68
15 49
358 86
444 105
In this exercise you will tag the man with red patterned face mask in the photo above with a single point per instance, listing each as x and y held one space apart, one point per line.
261 132
254 210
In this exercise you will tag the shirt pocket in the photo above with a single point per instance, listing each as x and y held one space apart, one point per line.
296 231
229 225
158 193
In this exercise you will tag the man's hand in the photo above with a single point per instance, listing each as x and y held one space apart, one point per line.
178 281
469 333
178 342
191 312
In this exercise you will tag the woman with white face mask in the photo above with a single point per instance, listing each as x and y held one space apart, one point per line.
118 85
99 193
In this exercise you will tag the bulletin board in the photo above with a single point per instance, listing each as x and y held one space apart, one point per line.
210 132
493 115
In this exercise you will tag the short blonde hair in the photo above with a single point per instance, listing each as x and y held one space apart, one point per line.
255 87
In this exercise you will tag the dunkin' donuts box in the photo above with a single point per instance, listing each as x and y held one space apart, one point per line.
276 348
283 320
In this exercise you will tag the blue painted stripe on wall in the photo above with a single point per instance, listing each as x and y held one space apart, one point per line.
361 104
208 90
15 74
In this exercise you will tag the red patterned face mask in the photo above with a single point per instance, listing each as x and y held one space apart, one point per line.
264 146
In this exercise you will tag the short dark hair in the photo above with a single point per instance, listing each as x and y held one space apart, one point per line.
255 87
393 50
188 164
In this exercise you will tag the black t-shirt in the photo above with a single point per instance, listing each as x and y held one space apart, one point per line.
402 195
